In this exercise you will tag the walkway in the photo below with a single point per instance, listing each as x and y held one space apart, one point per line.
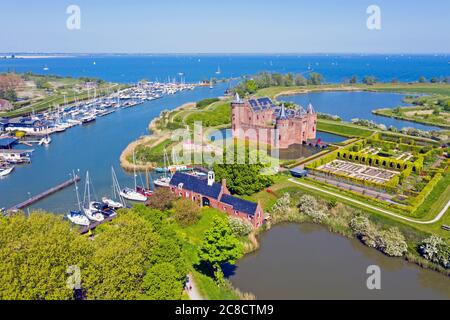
363 204
192 290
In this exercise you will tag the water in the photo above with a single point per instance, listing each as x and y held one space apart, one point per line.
351 105
335 68
308 262
95 147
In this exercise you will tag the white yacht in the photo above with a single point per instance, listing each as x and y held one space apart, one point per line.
78 218
132 195
5 171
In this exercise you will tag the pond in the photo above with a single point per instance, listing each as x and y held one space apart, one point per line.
308 262
360 104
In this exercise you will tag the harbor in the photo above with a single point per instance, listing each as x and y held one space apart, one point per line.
38 129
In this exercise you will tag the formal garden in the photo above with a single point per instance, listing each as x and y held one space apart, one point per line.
401 173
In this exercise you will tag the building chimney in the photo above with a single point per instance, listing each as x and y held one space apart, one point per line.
224 183
211 178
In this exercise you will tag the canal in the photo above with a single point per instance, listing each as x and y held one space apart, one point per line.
308 262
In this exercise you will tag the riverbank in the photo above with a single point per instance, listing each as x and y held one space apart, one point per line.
416 114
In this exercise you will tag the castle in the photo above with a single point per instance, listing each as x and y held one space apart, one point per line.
261 120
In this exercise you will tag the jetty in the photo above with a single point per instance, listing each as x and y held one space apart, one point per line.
93 225
44 194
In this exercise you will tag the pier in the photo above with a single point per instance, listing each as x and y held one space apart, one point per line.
93 225
44 194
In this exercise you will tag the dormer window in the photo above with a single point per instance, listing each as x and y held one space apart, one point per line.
180 186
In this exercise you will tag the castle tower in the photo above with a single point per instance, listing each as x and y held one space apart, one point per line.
237 114
282 129
311 117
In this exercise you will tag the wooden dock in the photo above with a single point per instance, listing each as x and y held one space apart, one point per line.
93 225
44 194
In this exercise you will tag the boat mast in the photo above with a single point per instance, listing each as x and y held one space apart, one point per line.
134 170
76 189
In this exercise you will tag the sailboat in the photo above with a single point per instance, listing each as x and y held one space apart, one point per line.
5 171
45 141
112 202
211 84
132 194
164 181
90 209
77 217
218 70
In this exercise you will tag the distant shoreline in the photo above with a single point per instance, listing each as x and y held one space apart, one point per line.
35 57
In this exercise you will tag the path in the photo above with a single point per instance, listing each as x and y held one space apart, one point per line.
436 219
193 293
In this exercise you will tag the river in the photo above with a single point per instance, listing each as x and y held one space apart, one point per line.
308 262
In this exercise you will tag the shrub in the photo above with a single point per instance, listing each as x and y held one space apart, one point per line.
239 227
359 224
435 249
186 212
392 242
309 206
283 204
161 282
162 199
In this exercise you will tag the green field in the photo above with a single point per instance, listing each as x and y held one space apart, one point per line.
343 129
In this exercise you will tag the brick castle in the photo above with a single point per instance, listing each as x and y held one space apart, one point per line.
281 127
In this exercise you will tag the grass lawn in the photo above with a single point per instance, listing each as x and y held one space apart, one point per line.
192 237
216 114
427 88
283 185
343 129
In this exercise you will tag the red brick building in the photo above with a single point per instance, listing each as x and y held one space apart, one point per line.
207 192
261 120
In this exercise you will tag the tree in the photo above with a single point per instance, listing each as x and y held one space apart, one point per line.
354 80
35 255
220 246
436 250
186 212
369 80
309 206
243 179
122 252
282 204
315 79
392 242
359 224
422 79
161 282
162 199
239 227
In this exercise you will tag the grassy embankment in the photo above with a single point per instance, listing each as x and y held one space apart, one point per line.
423 112
192 238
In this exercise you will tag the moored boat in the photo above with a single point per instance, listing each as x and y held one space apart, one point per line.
132 195
78 218
6 171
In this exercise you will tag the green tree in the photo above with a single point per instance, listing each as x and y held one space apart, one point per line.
162 199
220 246
354 80
243 179
315 79
122 253
186 212
161 282
35 254
369 80
422 79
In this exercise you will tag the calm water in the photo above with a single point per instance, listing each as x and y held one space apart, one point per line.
308 262
335 68
351 105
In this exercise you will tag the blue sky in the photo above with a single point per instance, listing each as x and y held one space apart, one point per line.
230 26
